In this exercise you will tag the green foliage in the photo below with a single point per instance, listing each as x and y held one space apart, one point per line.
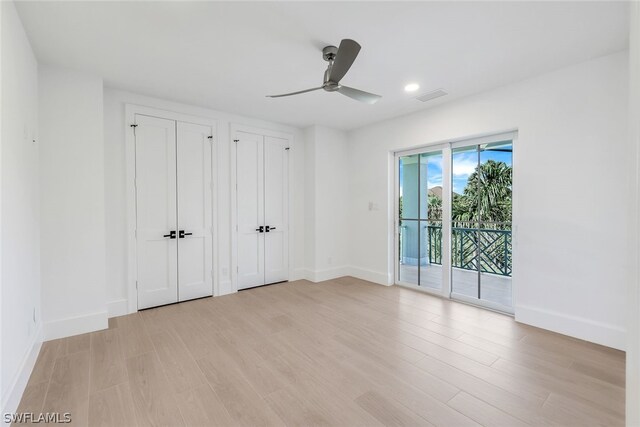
487 196
435 207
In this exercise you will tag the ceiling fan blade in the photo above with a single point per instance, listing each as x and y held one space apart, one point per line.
347 53
359 95
294 93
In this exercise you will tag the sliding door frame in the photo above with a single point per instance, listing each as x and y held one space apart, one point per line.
447 147
446 210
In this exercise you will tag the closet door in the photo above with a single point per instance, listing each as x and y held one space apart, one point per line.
156 227
195 258
276 209
250 209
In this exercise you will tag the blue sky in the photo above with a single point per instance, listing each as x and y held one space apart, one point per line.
464 164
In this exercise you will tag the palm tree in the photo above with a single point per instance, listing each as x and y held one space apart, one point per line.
487 196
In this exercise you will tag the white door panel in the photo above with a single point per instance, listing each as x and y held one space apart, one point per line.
195 259
250 209
155 150
276 211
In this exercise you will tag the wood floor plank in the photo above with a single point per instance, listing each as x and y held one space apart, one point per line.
33 397
200 406
72 371
603 373
75 344
181 369
482 412
572 412
502 399
608 398
133 337
68 390
153 401
295 412
388 412
46 360
107 360
340 352
112 407
242 402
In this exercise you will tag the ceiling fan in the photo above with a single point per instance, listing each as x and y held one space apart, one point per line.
340 60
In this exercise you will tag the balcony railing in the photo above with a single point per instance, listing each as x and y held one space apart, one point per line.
490 248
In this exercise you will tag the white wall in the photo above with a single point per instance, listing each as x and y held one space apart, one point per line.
115 128
72 202
571 201
19 225
326 203
633 304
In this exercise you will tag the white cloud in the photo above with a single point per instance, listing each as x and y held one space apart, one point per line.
464 167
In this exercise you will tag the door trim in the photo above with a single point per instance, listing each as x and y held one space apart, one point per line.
233 129
130 160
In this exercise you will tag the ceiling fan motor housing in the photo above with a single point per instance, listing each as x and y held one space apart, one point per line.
329 53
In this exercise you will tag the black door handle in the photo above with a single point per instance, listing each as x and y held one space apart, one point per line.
260 229
182 234
269 228
171 235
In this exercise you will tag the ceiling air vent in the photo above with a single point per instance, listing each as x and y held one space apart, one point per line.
431 95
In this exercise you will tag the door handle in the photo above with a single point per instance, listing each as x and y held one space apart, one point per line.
171 235
260 229
269 228
182 234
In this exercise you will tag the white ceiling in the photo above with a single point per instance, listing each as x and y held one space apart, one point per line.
229 55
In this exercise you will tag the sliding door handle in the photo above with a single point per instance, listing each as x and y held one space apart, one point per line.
260 229
182 234
171 235
269 228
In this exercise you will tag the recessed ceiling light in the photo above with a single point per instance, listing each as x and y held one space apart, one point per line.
411 87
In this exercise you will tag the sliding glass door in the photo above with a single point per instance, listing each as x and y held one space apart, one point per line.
454 220
481 196
420 219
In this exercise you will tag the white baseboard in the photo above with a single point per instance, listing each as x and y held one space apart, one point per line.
118 307
316 276
370 275
225 288
298 274
75 325
19 382
577 327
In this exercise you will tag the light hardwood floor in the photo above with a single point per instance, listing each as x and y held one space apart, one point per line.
343 352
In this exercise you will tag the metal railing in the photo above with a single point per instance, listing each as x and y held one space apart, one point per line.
488 249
